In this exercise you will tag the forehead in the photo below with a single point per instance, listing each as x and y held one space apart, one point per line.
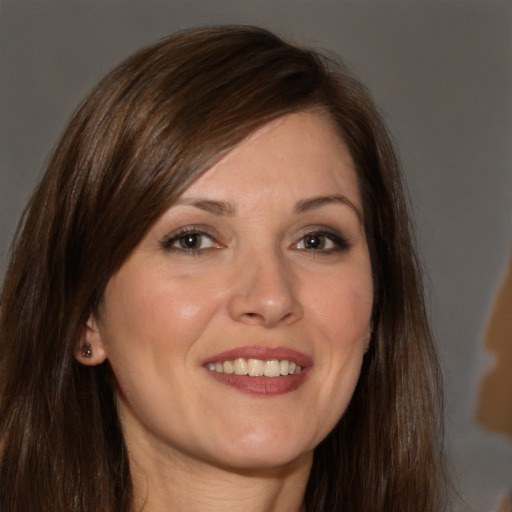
291 157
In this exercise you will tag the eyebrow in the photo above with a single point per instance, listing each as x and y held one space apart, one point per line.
305 205
210 205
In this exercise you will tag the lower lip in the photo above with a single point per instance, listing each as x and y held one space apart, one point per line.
267 386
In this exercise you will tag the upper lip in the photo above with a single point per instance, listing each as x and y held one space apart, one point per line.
263 353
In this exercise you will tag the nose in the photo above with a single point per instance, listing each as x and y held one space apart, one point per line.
265 292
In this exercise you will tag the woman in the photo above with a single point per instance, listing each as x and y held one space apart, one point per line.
213 302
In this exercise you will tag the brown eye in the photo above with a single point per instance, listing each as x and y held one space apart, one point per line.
322 242
314 242
189 242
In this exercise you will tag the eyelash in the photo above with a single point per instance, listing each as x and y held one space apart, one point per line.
168 243
340 243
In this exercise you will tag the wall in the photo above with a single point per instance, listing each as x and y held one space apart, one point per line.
441 72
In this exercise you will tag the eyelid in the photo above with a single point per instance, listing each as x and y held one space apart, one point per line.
170 239
335 236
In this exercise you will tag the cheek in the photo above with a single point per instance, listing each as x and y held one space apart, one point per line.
187 305
154 314
342 312
343 308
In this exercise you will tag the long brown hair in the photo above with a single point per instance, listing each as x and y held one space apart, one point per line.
145 133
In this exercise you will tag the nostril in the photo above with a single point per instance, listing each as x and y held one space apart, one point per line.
252 316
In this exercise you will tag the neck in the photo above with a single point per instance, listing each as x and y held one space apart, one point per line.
198 487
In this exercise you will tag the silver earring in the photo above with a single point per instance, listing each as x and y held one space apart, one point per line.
86 350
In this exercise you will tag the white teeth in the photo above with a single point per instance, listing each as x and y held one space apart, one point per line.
240 366
227 366
256 367
272 368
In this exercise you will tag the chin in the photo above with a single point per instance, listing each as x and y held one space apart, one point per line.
261 462
264 448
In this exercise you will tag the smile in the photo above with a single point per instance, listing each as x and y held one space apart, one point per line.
260 370
256 367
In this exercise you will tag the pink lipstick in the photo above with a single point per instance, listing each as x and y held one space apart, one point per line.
260 370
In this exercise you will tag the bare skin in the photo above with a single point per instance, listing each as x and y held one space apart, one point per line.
206 488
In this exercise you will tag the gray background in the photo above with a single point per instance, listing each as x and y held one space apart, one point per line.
441 73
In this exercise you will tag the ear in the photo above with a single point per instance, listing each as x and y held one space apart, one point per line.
91 351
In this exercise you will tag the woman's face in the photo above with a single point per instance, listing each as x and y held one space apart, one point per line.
261 266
